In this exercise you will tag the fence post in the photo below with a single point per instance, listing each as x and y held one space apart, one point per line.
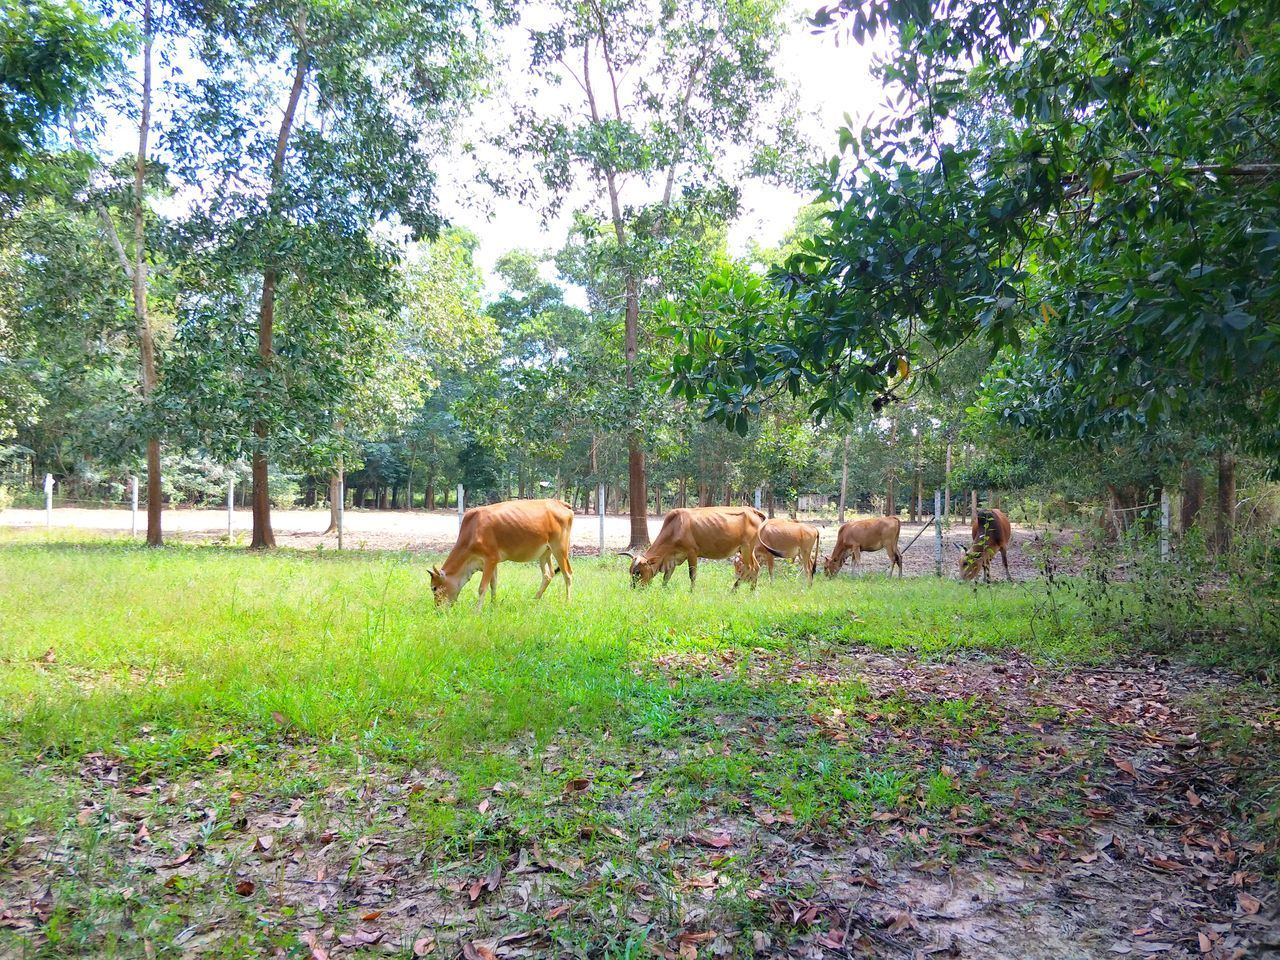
757 500
600 511
461 509
937 531
341 504
231 506
133 500
48 500
1164 525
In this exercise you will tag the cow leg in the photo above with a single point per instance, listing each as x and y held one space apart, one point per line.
693 573
487 581
1004 557
548 574
897 559
669 569
566 570
768 560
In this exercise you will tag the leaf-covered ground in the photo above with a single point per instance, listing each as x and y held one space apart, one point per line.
785 781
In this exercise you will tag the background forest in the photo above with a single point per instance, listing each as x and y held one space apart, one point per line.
222 254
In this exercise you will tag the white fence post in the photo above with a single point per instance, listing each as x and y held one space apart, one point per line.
48 500
133 506
341 504
937 531
600 510
757 501
460 506
1164 525
231 506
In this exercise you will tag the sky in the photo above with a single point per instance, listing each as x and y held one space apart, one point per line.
831 80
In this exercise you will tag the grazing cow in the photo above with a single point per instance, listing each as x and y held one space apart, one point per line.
691 534
863 536
521 530
991 532
786 540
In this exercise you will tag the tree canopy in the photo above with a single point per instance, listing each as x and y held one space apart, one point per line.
1091 190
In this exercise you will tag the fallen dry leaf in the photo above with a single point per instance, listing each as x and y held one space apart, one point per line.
263 843
1248 903
246 887
476 951
177 861
424 946
577 785
718 839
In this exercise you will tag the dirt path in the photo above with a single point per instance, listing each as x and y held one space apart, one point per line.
434 532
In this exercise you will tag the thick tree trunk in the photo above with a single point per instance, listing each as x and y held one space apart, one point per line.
1226 518
333 504
263 536
844 480
1192 496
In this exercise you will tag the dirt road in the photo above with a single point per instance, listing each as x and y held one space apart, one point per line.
422 531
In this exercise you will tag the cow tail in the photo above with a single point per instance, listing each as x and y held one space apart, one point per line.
760 537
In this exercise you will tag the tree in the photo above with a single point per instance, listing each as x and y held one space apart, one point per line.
371 90
667 90
1104 213
52 56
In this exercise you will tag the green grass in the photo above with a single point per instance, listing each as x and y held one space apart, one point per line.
195 689
166 655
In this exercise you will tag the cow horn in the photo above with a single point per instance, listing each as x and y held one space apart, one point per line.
626 553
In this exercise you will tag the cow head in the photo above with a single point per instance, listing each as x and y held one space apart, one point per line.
971 560
642 571
444 587
830 567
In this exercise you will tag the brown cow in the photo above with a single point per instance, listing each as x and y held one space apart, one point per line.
991 532
786 540
691 534
520 530
859 536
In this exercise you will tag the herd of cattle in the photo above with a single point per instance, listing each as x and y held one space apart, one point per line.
528 530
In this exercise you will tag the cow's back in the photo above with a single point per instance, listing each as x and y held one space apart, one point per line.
875 533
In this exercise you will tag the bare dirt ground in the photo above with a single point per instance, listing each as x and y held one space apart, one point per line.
421 531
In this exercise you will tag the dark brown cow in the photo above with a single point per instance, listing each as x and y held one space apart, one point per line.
862 536
520 530
706 533
991 532
785 540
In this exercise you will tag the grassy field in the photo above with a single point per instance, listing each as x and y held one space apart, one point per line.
228 754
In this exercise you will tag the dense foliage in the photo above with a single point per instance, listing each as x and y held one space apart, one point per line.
1090 189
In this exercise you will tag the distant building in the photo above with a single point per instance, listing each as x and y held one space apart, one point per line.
812 502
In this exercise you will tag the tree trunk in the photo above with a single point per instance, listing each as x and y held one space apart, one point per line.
657 499
1226 519
263 536
334 480
771 501
891 492
1192 496
844 480
684 492
946 492
973 504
